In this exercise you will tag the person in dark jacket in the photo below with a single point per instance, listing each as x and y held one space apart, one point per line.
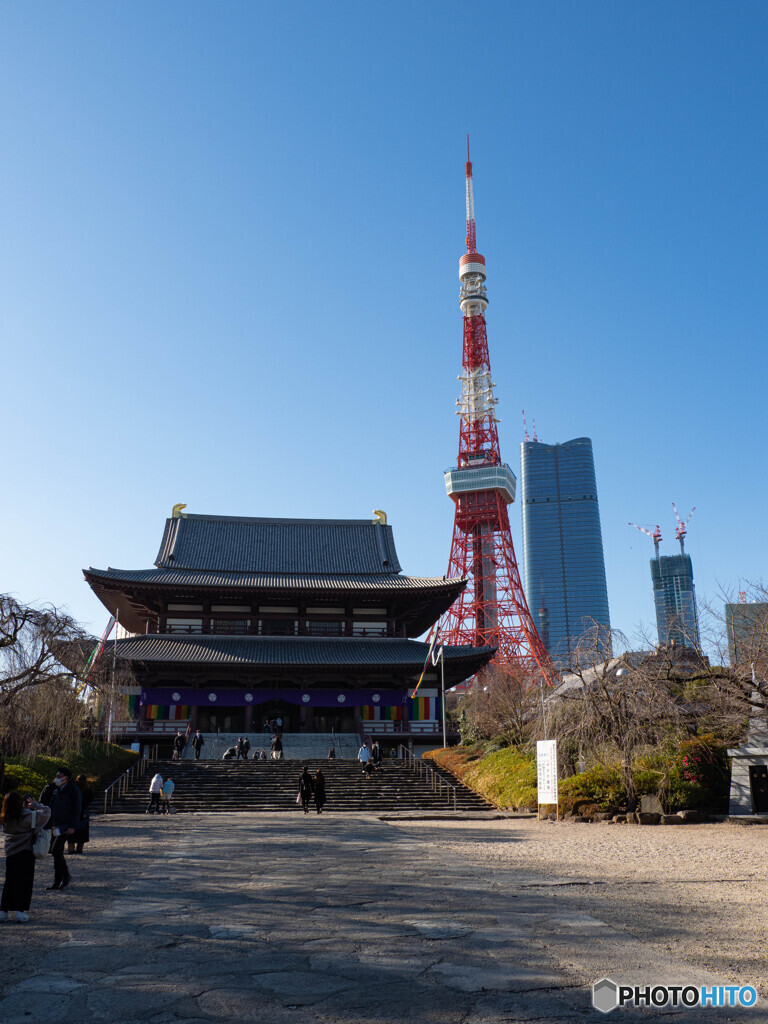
305 789
21 819
197 744
243 746
319 787
83 831
178 746
66 808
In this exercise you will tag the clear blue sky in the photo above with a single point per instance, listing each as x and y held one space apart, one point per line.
228 269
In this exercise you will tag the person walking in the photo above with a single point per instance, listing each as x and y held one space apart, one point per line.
277 748
155 790
305 789
178 746
83 831
376 755
165 797
243 746
319 788
66 813
197 744
364 756
21 820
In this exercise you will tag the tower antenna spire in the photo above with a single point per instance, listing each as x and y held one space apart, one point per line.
471 233
492 609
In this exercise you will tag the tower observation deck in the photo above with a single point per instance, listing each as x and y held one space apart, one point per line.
492 609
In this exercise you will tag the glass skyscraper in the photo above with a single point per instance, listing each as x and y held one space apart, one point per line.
564 568
675 601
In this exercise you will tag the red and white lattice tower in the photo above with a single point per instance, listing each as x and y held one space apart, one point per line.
492 609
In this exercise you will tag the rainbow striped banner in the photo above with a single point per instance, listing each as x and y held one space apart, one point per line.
374 713
423 709
166 712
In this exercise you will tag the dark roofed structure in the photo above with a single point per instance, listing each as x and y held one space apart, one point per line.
328 547
240 617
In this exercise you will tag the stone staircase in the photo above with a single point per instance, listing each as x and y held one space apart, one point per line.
297 746
272 786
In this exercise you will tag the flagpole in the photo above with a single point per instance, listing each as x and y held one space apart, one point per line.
112 687
442 676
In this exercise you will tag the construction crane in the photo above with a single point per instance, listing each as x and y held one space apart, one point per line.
680 532
655 536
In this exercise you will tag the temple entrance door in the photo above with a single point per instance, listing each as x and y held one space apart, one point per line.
284 714
221 719
331 720
758 781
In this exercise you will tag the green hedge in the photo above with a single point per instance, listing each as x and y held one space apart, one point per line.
100 762
695 775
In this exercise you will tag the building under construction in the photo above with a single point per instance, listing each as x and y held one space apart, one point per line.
674 594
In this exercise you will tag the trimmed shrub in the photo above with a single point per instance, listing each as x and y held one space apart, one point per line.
100 762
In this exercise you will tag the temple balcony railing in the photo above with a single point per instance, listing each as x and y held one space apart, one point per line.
428 728
222 627
131 726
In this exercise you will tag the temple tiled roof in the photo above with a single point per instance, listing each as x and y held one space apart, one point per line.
281 651
349 547
271 581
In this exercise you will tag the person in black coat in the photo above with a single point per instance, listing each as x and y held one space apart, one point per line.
66 813
83 831
178 746
319 787
197 744
305 789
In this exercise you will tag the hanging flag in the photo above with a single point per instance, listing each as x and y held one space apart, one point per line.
98 650
432 656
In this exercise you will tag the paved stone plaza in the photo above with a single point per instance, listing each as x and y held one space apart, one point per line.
290 919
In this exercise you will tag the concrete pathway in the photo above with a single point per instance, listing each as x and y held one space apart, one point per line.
330 920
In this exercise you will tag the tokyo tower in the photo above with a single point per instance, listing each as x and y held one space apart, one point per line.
492 608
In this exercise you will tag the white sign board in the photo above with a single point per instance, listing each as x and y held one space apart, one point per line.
546 771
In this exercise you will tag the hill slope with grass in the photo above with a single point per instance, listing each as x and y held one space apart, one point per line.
100 762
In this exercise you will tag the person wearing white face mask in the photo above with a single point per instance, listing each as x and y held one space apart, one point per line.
66 805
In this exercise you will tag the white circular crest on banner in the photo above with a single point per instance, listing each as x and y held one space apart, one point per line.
249 697
176 696
305 698
211 696
376 698
341 698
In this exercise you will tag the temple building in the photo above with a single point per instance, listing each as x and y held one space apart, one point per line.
244 620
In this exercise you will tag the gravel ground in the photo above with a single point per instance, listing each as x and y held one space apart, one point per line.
699 892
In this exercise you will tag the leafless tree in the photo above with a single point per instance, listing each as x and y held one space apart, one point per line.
503 701
40 705
735 688
615 707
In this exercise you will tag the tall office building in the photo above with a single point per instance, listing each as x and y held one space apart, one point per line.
747 626
675 600
564 570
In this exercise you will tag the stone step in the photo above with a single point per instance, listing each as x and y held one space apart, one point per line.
273 785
